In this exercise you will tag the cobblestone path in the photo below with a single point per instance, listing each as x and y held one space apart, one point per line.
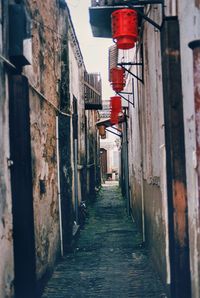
109 260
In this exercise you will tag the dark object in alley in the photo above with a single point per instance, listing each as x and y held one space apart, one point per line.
82 213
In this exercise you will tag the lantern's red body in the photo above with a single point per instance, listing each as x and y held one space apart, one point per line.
125 28
117 76
116 108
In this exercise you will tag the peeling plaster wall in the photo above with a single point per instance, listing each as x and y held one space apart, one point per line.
189 18
43 74
6 240
92 142
76 73
44 184
147 150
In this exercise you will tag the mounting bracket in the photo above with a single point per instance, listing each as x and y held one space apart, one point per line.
135 5
157 26
130 72
128 93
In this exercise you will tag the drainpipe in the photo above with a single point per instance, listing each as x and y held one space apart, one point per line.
58 182
195 46
76 177
126 164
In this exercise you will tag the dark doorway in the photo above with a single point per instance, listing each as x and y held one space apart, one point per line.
103 162
21 181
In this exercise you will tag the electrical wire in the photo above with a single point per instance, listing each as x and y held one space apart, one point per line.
7 62
48 101
47 27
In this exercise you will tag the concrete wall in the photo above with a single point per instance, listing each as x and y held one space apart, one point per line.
147 142
147 157
76 72
6 242
189 18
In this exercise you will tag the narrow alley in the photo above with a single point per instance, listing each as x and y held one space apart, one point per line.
108 259
99 148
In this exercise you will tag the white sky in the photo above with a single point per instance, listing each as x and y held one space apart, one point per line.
94 50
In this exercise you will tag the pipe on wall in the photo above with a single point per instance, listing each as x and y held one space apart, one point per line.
58 181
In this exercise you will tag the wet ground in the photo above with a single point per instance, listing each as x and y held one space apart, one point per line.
109 259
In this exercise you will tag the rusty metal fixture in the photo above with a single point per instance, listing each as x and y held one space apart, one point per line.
125 28
117 76
195 46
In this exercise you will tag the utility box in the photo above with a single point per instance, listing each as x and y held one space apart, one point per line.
20 43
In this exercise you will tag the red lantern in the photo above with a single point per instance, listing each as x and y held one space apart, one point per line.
117 76
116 104
125 28
116 109
114 118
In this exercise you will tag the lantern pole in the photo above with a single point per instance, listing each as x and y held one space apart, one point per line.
130 63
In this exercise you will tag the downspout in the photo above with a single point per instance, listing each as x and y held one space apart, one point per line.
76 178
58 182
141 155
126 158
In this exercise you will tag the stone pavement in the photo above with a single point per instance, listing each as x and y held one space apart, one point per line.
108 259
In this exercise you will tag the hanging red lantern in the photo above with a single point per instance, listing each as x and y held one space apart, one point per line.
116 104
116 109
125 28
117 77
114 118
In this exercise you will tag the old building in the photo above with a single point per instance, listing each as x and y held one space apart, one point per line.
48 141
161 131
109 145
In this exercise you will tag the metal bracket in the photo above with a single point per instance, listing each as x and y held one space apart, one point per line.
157 26
135 3
128 93
130 72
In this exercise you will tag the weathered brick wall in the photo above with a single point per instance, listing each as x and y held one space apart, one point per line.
57 73
44 76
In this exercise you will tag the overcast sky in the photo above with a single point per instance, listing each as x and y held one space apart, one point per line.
94 50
